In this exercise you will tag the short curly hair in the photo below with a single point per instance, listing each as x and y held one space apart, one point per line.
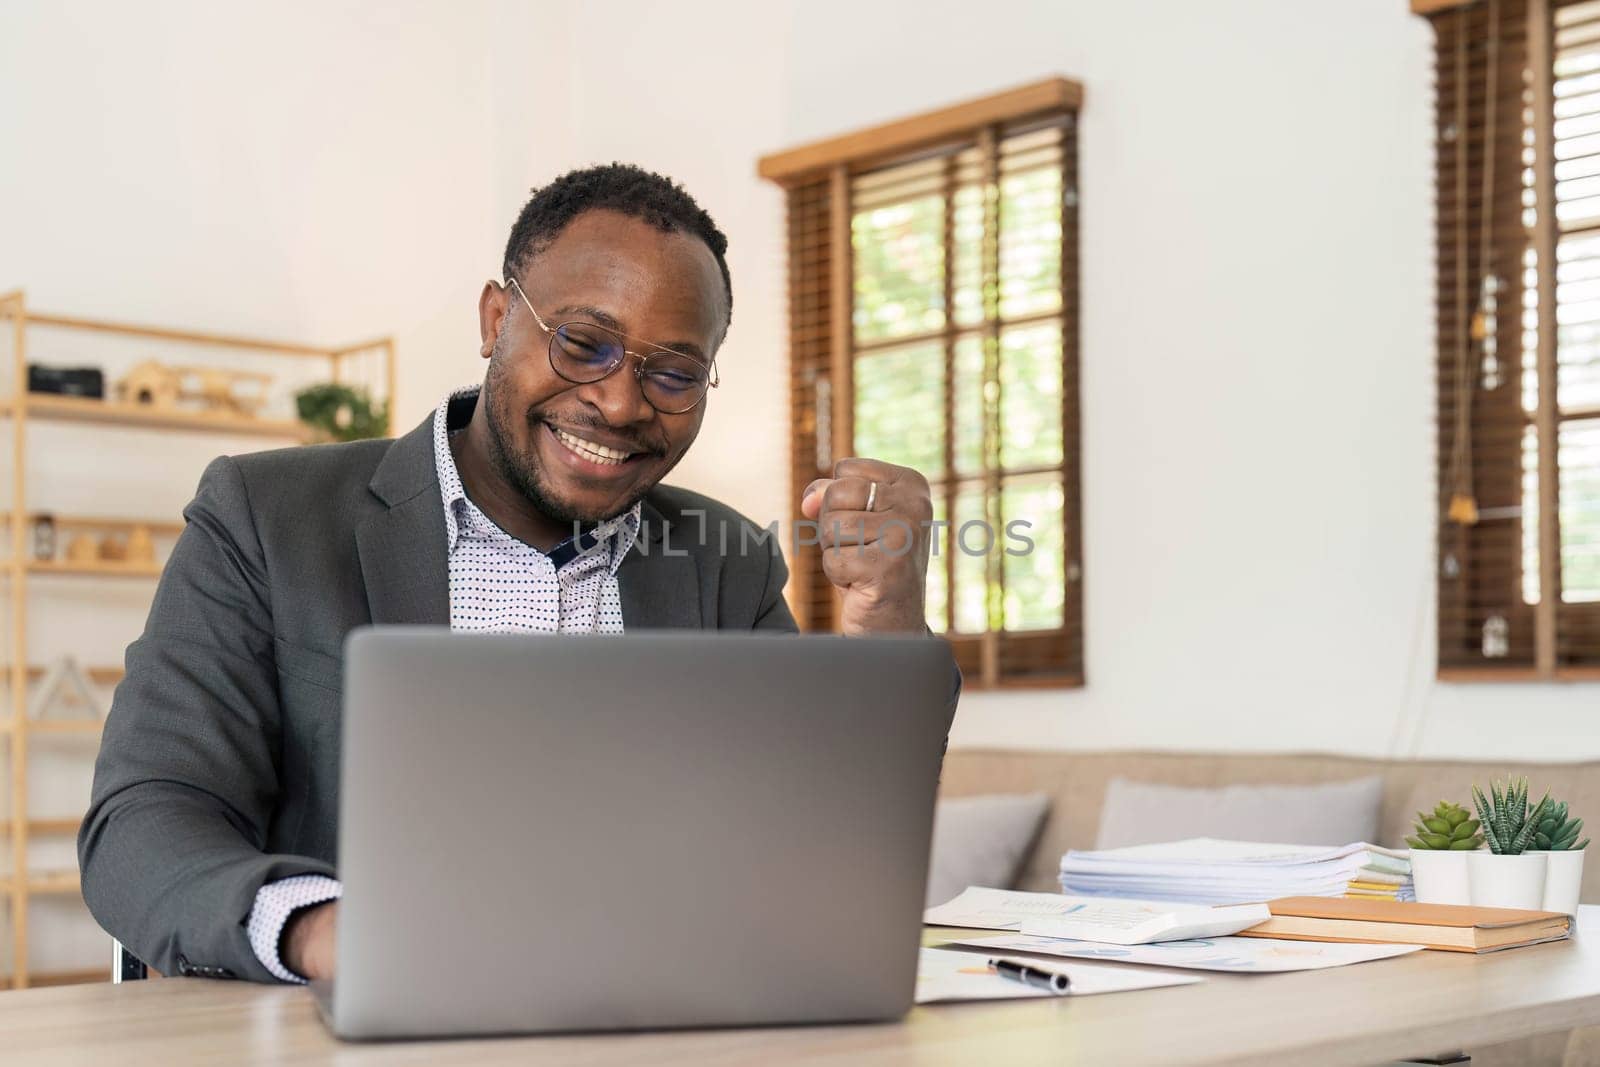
620 187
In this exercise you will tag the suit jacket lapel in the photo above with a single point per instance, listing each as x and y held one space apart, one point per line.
403 549
660 590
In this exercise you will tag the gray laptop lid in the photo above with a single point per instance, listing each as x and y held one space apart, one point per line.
655 830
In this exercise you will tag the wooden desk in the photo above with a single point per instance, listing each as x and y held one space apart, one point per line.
1415 1005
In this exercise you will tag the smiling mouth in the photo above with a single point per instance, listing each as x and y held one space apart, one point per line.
592 451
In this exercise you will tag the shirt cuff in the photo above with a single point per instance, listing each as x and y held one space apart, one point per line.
275 903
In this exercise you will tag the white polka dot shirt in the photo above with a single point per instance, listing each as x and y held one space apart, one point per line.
497 585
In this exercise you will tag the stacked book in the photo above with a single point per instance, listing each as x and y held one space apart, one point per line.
1450 927
1208 871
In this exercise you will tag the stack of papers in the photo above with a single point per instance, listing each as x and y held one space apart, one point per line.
1118 922
1238 955
1208 871
1000 909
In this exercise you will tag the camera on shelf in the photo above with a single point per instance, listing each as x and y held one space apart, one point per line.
67 381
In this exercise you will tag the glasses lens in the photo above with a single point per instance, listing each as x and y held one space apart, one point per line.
673 383
583 353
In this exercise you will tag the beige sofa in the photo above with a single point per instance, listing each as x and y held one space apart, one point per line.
1076 783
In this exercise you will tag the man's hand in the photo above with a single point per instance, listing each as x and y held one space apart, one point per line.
877 557
307 942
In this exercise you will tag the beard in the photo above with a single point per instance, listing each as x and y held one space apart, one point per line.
521 468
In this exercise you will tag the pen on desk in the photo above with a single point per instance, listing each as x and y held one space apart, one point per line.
1017 970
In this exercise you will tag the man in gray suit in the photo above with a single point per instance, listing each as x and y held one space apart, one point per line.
531 504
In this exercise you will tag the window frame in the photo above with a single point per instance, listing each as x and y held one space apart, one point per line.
818 180
1551 639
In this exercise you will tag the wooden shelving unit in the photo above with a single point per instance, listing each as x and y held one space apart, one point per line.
372 363
87 409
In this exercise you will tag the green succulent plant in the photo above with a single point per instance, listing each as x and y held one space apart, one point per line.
1508 825
1449 827
1556 832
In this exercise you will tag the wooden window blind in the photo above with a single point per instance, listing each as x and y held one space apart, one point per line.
933 323
1518 326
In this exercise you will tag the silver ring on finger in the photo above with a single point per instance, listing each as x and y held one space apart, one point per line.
872 496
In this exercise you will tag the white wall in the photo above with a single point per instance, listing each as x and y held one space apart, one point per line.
313 171
1256 345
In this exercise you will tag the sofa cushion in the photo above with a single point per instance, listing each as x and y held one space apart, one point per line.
1333 813
981 841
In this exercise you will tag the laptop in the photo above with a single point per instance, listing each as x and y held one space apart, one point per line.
694 829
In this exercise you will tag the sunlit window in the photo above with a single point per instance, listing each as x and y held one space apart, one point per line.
937 289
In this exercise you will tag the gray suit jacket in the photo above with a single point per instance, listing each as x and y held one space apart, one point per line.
219 767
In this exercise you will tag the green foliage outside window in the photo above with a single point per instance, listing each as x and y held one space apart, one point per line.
1006 386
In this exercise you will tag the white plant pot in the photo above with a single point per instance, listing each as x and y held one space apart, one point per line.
1440 876
1563 880
1507 881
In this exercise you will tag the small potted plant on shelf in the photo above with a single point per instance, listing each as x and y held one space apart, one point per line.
1556 837
1508 875
1439 844
336 412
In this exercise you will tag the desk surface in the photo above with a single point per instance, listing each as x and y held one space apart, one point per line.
1414 1005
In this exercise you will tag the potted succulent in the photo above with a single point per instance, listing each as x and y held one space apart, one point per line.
1556 838
1508 875
1439 844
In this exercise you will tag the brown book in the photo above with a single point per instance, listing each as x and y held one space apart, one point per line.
1451 927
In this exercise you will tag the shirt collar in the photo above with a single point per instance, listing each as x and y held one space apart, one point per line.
617 534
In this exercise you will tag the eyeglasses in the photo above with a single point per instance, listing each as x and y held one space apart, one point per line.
582 352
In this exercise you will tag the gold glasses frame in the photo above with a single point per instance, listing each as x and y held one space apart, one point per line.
712 376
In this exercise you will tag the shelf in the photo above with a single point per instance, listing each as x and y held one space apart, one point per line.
157 527
47 884
64 727
44 827
214 340
54 728
89 409
97 675
101 568
56 978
